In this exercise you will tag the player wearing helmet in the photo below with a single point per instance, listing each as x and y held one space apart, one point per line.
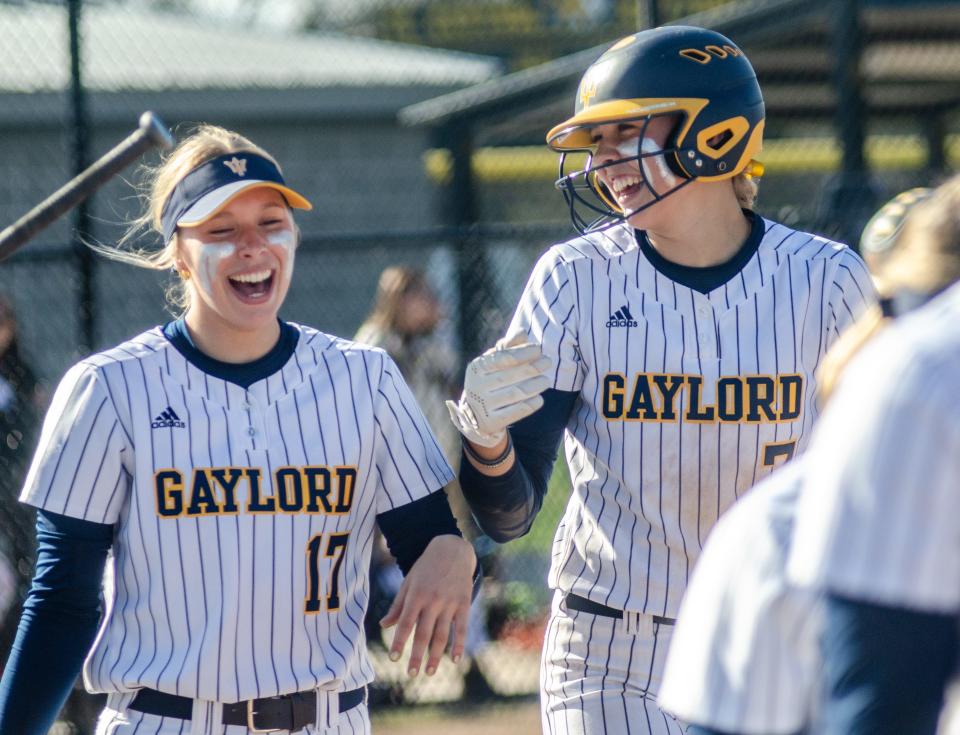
673 345
682 102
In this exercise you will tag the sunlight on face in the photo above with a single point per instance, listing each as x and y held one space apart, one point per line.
632 182
241 259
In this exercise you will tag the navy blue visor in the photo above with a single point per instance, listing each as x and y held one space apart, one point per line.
213 184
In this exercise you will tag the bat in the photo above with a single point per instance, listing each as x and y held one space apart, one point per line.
151 133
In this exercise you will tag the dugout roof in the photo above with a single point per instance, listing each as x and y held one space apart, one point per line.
910 65
129 51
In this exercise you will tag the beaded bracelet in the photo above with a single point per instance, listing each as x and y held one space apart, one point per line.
491 464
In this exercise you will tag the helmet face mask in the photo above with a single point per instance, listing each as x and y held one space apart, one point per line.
693 73
593 207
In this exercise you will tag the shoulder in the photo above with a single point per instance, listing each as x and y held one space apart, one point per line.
99 373
801 245
595 246
317 347
145 347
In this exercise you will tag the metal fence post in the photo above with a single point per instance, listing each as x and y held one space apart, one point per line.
935 132
648 14
80 144
458 211
851 195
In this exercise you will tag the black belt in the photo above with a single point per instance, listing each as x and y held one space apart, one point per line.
582 604
290 712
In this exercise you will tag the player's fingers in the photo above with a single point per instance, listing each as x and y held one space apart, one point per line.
393 614
509 357
438 642
459 642
512 340
515 393
405 626
514 375
508 415
421 638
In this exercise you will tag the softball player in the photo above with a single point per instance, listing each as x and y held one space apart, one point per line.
877 526
745 654
229 468
675 344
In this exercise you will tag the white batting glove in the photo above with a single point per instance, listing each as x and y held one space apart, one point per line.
502 386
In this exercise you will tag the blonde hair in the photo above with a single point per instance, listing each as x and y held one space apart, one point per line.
203 143
746 187
925 259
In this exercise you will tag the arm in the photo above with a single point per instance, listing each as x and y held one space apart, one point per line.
437 563
58 625
436 592
852 294
505 502
885 668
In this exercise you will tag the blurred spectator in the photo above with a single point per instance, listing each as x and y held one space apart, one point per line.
403 321
21 403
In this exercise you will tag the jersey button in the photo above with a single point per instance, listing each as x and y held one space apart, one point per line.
251 431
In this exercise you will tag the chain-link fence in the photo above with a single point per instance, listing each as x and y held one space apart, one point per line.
322 84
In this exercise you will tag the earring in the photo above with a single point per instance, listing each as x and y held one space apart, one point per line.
184 274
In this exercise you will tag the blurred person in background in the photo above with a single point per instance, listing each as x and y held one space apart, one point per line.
878 521
404 321
22 399
745 655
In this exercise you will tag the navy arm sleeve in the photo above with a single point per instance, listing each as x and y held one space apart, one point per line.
409 529
505 506
885 668
58 625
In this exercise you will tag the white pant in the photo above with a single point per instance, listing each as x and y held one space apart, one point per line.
598 679
117 719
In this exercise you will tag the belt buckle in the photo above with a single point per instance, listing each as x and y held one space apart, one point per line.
251 720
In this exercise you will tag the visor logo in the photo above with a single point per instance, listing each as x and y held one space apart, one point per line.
237 165
588 90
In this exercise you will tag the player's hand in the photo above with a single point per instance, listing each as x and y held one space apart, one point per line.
434 597
502 386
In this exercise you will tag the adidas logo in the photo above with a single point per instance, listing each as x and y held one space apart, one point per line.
622 318
168 420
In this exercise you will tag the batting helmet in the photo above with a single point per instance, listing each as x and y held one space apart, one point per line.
694 73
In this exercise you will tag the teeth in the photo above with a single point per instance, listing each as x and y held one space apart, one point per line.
251 277
622 182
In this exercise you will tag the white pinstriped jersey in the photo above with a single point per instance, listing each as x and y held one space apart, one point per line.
686 399
880 518
243 517
744 656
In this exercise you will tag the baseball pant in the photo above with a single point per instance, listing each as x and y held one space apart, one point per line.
117 719
599 678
